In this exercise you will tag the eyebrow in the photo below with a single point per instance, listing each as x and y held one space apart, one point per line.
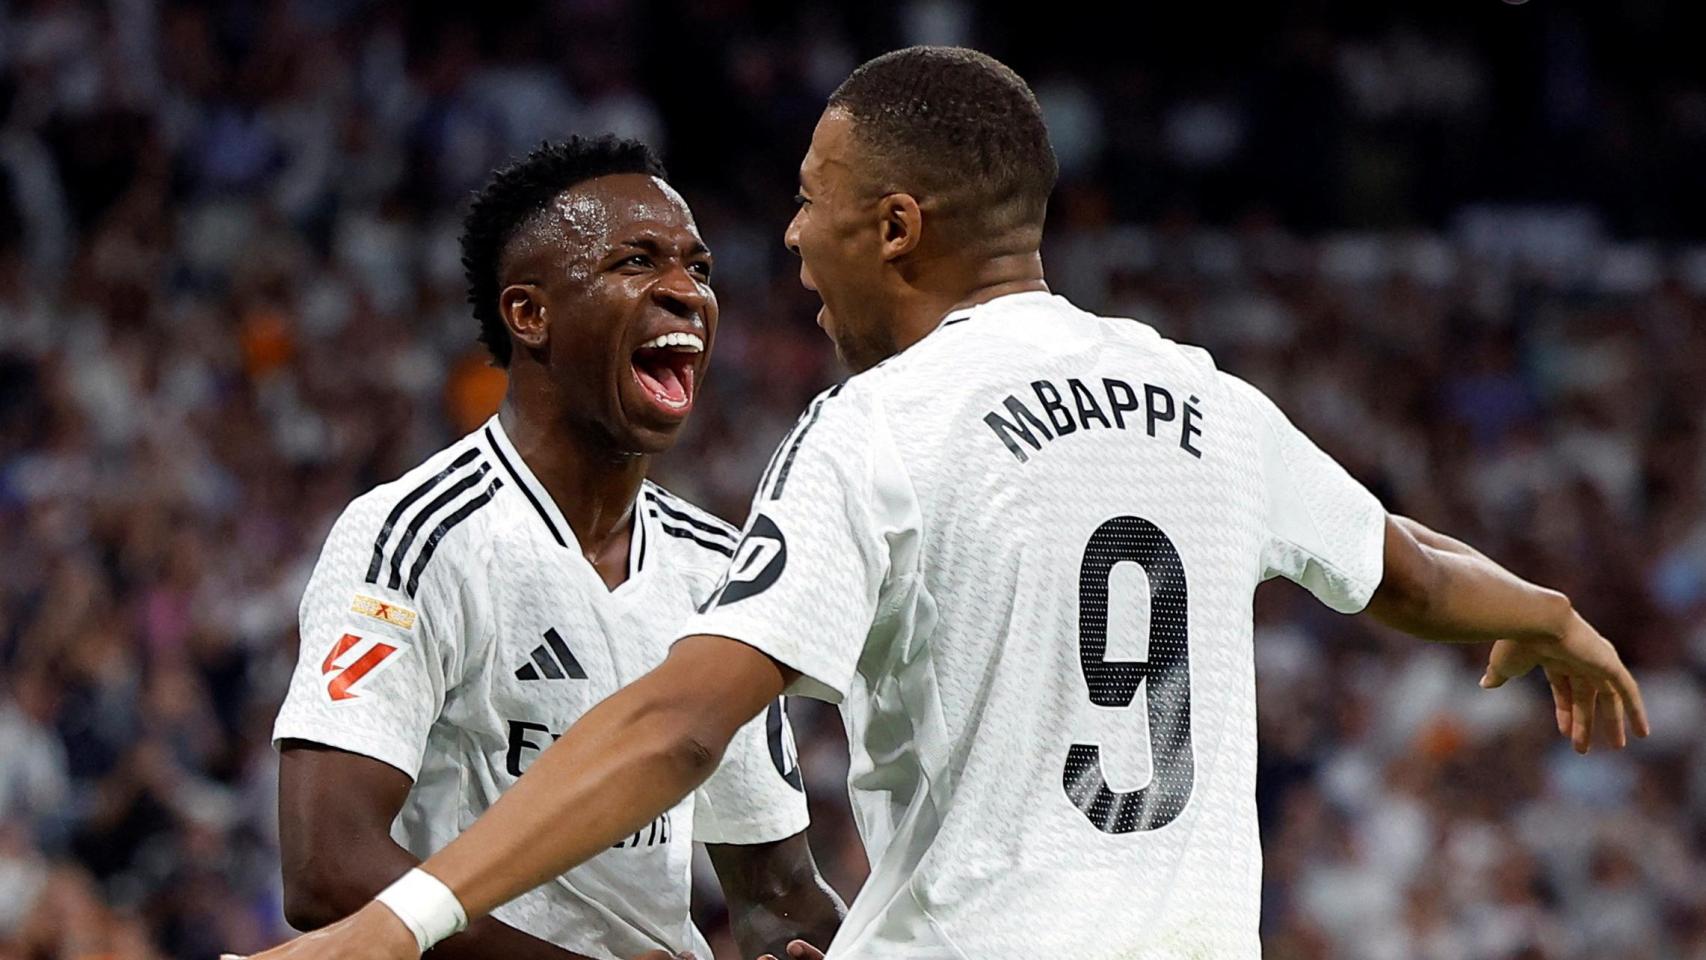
653 245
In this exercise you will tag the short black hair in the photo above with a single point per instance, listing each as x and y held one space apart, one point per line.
957 124
515 195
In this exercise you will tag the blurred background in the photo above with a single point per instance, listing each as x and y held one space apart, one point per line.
1461 243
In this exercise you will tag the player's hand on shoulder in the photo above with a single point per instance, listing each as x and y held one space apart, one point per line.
1591 688
797 950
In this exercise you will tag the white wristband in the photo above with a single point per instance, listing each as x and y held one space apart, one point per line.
426 906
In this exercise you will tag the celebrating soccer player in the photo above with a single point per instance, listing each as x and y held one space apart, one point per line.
463 616
1018 548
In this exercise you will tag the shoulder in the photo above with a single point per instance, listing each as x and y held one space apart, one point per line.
703 535
396 535
836 427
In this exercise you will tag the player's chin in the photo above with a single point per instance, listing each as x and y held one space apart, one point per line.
652 421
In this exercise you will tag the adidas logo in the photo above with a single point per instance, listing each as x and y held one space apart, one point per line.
552 660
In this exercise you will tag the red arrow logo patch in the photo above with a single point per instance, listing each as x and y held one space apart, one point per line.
350 667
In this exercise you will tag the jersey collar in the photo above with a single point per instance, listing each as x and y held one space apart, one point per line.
965 313
511 463
549 514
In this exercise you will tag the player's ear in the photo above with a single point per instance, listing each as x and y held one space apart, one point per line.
901 224
523 308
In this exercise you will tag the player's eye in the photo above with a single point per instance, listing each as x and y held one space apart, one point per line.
801 200
637 260
701 268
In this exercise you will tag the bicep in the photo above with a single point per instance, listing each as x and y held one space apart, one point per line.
1410 576
332 802
717 684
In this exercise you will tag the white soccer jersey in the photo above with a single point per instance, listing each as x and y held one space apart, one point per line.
452 629
1021 555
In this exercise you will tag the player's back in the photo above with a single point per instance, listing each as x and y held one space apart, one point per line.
1092 541
1053 717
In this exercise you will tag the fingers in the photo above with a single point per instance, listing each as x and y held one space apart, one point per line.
1582 695
1560 684
1629 693
801 950
1496 674
1590 687
1615 718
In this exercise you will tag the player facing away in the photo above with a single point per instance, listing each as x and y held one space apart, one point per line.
1018 548
463 616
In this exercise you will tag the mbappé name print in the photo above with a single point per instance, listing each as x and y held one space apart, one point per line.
1086 406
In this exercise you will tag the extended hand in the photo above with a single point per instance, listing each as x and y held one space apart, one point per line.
1589 682
798 950
371 933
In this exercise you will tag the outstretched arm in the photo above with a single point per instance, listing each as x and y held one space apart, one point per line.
622 764
776 895
1441 589
335 813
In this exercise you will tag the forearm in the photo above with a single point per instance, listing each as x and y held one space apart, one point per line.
335 815
490 939
1429 537
809 911
627 760
345 886
1440 589
776 895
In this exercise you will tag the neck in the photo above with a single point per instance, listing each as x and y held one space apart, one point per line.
928 301
592 484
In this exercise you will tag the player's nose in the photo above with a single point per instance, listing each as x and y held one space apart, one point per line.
791 236
682 293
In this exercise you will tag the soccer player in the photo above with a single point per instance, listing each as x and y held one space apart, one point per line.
461 617
1018 548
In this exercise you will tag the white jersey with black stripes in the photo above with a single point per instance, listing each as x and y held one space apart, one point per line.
1021 556
452 629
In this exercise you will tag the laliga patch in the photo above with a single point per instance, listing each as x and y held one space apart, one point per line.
758 561
354 660
395 615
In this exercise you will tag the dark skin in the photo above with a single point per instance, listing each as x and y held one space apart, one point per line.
866 247
337 856
613 263
618 262
885 280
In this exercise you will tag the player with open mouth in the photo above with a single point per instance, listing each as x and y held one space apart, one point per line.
464 614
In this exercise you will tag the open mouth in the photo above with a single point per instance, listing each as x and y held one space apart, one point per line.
663 366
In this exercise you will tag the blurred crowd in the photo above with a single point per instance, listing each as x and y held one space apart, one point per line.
230 301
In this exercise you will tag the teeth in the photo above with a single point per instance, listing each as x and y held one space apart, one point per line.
685 342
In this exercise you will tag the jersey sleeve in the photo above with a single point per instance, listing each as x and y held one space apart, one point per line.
373 664
757 794
804 583
1323 529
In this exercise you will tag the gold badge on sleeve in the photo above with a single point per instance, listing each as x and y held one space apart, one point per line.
397 616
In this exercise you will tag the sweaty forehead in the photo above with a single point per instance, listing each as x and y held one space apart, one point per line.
601 211
584 222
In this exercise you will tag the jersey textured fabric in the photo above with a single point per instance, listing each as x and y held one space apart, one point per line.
453 629
1021 556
